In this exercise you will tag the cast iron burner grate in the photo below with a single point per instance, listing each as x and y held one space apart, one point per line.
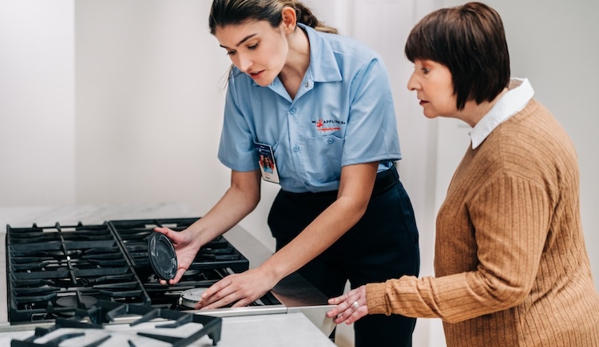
54 270
105 312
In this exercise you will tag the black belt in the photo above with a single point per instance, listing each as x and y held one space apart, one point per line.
384 181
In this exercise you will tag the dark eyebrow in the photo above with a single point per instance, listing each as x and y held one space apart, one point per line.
242 41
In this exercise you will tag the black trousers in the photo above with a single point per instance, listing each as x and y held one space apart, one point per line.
382 245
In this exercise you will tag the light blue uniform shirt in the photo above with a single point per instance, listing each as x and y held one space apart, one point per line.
341 115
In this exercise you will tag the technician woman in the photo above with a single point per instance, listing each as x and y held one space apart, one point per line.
320 105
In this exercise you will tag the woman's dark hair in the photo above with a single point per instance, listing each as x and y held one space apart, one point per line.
233 12
470 41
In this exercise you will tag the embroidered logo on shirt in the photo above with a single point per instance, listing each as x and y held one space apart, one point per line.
328 125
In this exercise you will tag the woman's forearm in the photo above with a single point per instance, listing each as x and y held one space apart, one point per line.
239 200
355 190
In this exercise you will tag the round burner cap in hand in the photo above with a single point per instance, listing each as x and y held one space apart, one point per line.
162 256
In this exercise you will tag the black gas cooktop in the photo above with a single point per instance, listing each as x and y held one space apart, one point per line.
53 271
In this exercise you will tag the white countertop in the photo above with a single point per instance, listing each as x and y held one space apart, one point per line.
24 216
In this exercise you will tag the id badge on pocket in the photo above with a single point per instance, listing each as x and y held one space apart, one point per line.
266 160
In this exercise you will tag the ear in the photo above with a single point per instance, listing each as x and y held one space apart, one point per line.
288 19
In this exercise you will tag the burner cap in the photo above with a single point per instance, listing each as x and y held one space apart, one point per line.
162 256
190 297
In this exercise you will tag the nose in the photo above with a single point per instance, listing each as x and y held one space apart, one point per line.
413 82
244 62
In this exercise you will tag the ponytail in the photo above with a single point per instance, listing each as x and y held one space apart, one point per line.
305 16
233 12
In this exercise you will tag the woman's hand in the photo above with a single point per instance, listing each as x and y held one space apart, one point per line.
240 289
186 246
350 307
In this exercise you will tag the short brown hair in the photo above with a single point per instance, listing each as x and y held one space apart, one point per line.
470 41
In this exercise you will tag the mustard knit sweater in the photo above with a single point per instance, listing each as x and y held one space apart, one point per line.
511 265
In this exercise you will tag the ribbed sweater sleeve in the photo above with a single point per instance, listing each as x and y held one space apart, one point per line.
507 209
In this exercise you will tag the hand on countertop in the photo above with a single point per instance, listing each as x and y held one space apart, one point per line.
351 306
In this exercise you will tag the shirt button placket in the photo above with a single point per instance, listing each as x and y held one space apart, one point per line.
293 111
294 135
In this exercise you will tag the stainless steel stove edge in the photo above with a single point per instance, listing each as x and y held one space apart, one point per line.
316 314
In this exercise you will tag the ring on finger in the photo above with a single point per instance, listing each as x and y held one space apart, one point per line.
355 305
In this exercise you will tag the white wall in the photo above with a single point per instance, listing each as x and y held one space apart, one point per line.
37 102
150 89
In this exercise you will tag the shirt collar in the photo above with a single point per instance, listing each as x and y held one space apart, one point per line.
519 94
322 68
323 64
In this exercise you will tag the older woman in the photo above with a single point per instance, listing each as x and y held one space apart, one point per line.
510 259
